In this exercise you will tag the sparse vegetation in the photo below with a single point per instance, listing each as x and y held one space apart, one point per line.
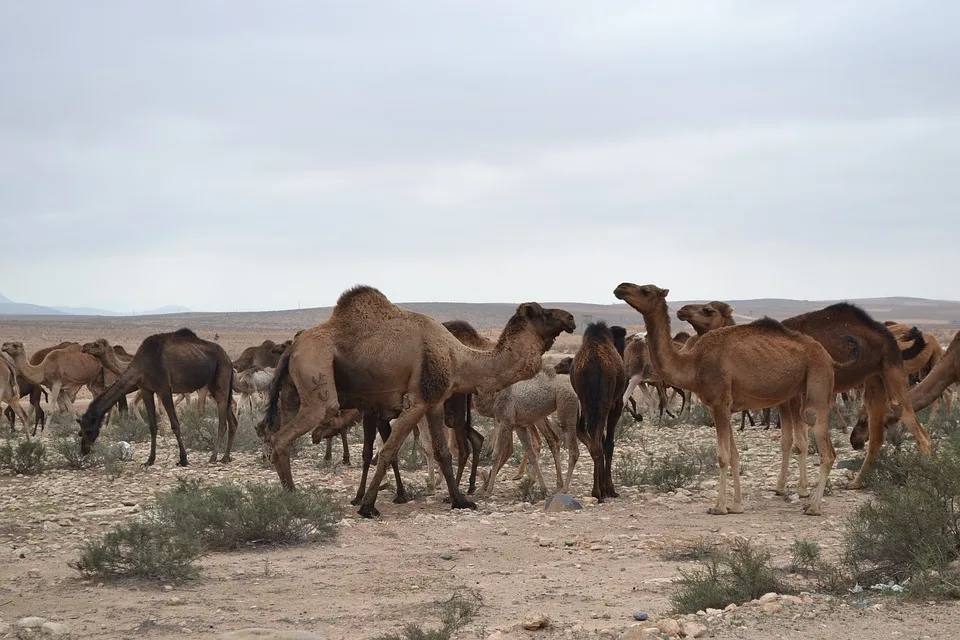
455 613
126 427
412 456
528 490
27 457
195 517
806 554
738 575
671 471
698 551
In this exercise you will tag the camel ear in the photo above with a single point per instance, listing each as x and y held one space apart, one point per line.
664 292
724 309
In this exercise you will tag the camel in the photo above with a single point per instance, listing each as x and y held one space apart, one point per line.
744 367
10 392
35 391
371 351
339 424
63 371
524 407
879 369
265 355
636 359
168 363
599 379
945 373
919 366
253 380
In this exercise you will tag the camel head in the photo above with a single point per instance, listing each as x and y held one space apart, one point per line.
564 366
645 298
98 348
706 317
13 349
546 323
89 429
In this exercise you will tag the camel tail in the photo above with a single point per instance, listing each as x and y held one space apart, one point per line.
854 359
915 349
280 374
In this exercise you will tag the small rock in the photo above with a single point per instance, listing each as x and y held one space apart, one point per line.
33 573
731 607
561 502
641 616
31 622
713 612
176 601
534 622
693 630
55 629
544 542
669 627
792 600
446 555
769 597
771 607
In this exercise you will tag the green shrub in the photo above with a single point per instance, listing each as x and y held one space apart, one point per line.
806 554
910 531
27 457
412 457
737 576
139 549
126 427
529 490
68 449
455 613
671 471
229 516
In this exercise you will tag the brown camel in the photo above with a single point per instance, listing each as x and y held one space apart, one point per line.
599 378
168 363
879 369
265 355
63 371
34 391
636 357
371 351
749 366
945 373
10 392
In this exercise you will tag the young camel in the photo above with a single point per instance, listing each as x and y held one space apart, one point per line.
636 359
599 379
254 380
370 350
742 367
339 424
35 391
10 392
524 407
168 363
63 371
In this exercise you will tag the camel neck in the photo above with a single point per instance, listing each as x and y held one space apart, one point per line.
33 373
490 371
934 384
667 362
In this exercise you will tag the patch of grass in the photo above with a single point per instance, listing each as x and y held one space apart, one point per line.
697 552
739 575
68 450
127 428
528 490
199 431
626 427
909 533
27 457
194 517
669 472
61 425
805 554
455 613
411 457
139 549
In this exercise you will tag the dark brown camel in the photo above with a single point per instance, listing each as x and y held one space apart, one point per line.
879 369
168 363
599 379
266 354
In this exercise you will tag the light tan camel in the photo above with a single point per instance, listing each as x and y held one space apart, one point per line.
371 351
10 391
742 367
636 357
63 371
251 381
922 364
523 407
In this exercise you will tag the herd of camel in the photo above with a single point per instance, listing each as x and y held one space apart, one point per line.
400 372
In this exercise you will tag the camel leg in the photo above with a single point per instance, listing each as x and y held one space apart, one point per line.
801 428
202 400
533 456
328 456
476 447
840 418
400 430
875 402
346 447
522 469
16 409
607 479
554 444
55 402
225 413
441 453
573 453
502 450
426 441
727 457
819 417
896 388
166 398
369 437
150 405
786 447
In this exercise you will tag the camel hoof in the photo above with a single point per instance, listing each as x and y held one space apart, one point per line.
780 492
401 499
213 459
183 463
717 511
812 510
356 502
463 503
804 494
855 485
346 463
737 508
368 511
613 494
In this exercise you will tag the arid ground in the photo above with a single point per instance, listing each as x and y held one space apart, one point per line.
588 571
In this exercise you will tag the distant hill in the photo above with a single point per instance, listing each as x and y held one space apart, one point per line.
9 307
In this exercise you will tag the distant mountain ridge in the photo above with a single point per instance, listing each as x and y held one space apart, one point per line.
9 307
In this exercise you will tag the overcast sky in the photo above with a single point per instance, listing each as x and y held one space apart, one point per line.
260 155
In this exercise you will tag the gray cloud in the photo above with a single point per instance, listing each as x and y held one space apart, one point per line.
247 154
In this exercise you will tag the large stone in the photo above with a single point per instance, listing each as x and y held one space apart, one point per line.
669 627
55 629
536 621
561 502
260 633
31 622
693 630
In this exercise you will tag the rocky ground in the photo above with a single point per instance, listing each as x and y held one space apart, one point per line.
578 574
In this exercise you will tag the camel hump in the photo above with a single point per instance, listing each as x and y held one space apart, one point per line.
184 333
769 323
361 294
